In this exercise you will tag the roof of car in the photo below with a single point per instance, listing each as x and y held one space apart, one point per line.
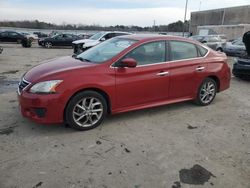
153 37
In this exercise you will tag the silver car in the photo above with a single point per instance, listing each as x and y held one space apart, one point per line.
236 48
216 42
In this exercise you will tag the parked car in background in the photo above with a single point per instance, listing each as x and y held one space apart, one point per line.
1 49
241 68
216 42
235 48
30 36
40 34
125 73
58 40
84 35
12 36
84 44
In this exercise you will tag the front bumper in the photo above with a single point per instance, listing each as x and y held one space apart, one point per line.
45 109
241 70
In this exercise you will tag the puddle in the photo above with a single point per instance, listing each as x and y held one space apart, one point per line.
8 85
197 175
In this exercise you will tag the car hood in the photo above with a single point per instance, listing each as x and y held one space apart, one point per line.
54 66
84 41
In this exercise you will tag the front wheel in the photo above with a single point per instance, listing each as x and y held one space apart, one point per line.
48 44
207 92
86 110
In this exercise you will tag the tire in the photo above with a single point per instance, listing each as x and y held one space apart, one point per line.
48 44
81 115
206 92
219 49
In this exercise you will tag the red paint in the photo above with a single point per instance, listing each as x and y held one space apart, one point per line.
127 88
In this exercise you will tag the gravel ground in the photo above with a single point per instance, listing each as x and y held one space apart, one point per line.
174 146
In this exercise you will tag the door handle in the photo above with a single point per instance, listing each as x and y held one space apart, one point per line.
200 68
163 73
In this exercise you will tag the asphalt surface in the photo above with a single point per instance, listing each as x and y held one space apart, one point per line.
175 146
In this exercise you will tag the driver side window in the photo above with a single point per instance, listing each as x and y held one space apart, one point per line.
150 53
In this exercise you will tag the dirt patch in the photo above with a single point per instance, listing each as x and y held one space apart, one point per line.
8 85
38 184
197 175
191 127
7 131
10 72
177 184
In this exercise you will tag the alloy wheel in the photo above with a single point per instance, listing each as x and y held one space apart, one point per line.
87 112
207 92
48 45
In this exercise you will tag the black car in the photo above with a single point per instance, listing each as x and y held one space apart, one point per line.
12 36
58 40
40 34
241 68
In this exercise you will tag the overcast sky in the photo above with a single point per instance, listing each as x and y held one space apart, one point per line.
109 12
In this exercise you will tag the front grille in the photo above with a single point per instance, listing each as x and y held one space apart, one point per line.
22 85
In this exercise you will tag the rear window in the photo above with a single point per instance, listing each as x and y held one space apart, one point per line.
183 50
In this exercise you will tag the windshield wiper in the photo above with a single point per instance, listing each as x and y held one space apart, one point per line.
82 59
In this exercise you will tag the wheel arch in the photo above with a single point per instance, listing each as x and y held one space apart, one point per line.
98 90
217 80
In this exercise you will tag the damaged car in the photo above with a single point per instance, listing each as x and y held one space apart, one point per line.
84 44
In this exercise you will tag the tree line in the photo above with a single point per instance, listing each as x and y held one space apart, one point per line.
172 27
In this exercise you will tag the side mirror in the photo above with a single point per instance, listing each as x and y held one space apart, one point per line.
128 62
102 39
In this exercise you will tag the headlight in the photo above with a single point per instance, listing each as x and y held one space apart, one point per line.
45 87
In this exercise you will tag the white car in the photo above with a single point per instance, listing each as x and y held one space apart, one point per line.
30 36
84 44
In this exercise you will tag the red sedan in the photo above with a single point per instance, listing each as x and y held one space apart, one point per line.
122 74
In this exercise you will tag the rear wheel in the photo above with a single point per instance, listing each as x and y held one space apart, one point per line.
207 92
86 110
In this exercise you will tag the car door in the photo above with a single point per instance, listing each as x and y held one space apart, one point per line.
4 37
68 39
14 37
187 68
146 83
58 40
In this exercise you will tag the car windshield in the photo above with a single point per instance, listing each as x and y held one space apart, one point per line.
96 36
106 50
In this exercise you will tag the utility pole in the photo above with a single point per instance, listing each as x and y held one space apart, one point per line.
154 26
185 16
